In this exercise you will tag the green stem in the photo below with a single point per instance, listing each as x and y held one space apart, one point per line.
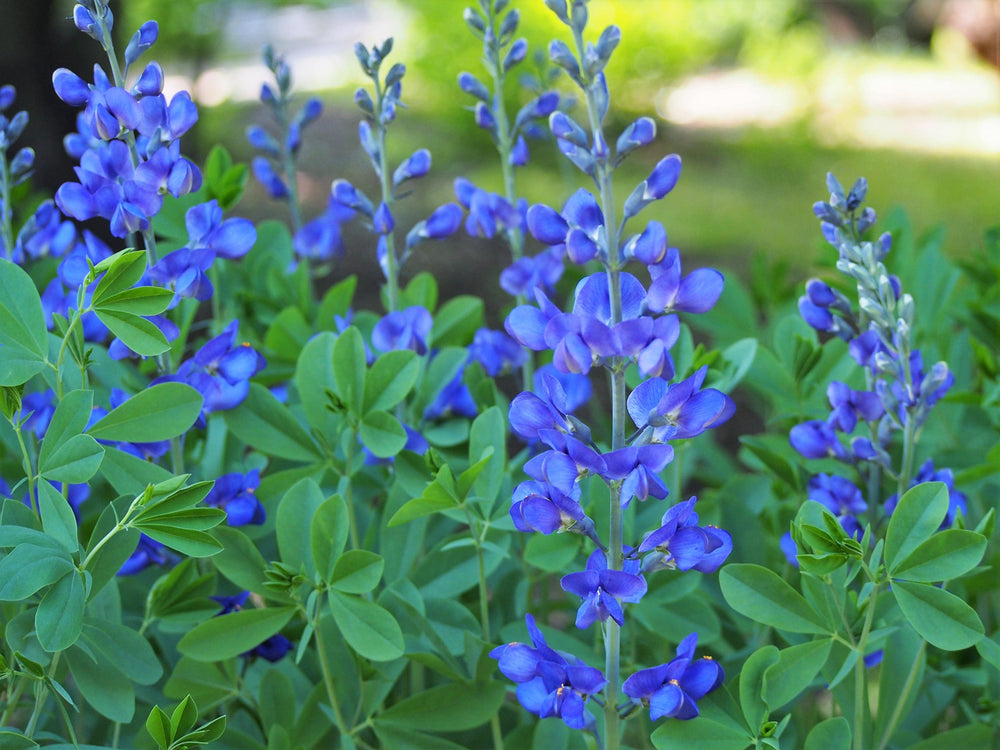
13 700
41 696
860 674
909 449
348 494
324 666
897 710
391 268
28 470
7 218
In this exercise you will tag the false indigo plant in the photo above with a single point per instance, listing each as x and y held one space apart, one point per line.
615 323
302 518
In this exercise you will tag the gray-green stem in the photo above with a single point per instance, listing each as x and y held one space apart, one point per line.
897 710
29 471
7 217
324 666
391 268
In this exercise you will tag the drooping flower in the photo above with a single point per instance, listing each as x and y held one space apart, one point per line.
680 543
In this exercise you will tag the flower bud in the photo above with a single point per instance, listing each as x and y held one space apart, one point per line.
473 86
516 54
663 178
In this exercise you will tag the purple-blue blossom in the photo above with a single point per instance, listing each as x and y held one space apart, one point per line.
235 493
674 689
603 590
550 683
680 543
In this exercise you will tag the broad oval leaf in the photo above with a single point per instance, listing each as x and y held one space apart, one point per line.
762 595
293 521
265 423
448 708
159 412
390 378
221 638
22 319
29 568
137 333
917 516
832 734
357 571
946 555
382 434
59 617
368 628
942 619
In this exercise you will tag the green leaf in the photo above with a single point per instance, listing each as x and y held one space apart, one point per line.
761 595
69 419
448 708
551 552
357 572
328 533
18 365
941 619
971 736
437 496
368 628
264 423
752 699
390 379
124 269
59 617
293 522
230 635
276 699
336 302
137 333
184 716
832 734
739 358
917 516
186 541
288 334
703 734
11 740
382 434
108 560
239 560
22 320
796 668
158 726
29 568
127 474
421 291
102 686
349 367
159 412
904 662
457 321
489 430
123 648
401 738
75 461
314 381
58 518
141 300
448 362
946 555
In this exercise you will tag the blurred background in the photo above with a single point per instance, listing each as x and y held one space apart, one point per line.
760 97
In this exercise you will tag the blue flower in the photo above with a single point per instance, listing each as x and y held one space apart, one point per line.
235 494
673 689
664 411
149 552
496 352
403 329
601 589
681 544
550 683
